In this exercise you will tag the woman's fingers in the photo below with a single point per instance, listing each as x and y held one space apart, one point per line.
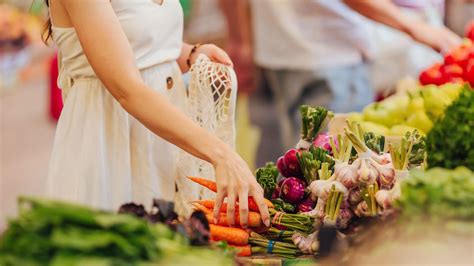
262 206
452 40
244 206
221 56
218 203
231 207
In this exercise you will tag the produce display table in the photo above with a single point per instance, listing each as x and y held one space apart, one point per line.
270 260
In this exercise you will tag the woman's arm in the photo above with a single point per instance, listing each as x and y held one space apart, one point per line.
384 11
108 51
214 53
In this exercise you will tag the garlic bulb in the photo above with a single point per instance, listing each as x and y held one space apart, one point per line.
306 244
355 197
366 174
383 159
339 187
344 217
383 198
386 174
318 211
362 209
316 187
346 174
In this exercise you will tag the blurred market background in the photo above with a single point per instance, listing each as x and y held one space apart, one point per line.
30 103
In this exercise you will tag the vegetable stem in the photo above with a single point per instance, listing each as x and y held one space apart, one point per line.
401 153
338 206
373 203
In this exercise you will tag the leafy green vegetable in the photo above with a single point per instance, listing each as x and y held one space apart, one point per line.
267 178
374 142
450 143
55 232
311 161
418 150
323 156
438 192
50 232
282 206
313 121
309 166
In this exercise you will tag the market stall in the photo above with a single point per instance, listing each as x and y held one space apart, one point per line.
394 183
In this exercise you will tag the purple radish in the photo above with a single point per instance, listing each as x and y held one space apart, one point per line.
291 162
292 190
282 167
306 205
323 141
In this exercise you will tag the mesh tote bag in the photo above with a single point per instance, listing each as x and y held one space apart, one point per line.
212 95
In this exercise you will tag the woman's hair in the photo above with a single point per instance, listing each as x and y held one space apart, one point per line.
47 31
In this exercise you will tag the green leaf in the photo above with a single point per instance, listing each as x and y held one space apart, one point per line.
450 142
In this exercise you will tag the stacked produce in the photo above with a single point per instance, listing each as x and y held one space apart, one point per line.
340 179
417 108
336 179
325 180
57 233
247 241
458 65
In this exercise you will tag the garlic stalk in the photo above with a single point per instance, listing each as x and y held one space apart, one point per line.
401 154
368 195
324 173
355 134
342 151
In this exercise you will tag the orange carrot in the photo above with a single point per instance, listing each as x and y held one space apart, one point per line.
210 204
243 251
254 207
232 235
254 219
202 208
211 185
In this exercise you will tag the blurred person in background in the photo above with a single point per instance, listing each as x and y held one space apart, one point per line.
120 70
316 52
396 53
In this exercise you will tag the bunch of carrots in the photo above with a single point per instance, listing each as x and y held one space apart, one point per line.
236 237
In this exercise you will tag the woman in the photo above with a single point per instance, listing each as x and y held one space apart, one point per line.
121 64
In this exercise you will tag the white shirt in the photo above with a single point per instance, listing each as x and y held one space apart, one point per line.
308 34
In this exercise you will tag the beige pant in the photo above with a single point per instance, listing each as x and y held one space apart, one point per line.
342 90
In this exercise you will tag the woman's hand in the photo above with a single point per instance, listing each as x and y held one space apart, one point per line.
214 53
235 181
439 38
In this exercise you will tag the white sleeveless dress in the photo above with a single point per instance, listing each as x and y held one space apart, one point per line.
102 156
